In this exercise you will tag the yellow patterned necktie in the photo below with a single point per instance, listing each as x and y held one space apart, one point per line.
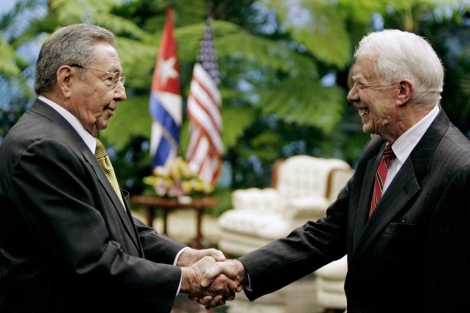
102 157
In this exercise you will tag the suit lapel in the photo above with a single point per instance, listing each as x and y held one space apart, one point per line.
118 206
127 201
364 199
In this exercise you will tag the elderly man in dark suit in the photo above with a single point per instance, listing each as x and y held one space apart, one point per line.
68 242
402 219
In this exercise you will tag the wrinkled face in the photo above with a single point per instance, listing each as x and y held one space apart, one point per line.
374 99
94 97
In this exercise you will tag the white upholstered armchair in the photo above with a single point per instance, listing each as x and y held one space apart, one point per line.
302 188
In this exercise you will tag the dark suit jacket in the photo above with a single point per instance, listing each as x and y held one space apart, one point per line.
412 255
66 243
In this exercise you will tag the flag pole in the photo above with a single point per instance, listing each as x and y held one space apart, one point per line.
171 5
210 7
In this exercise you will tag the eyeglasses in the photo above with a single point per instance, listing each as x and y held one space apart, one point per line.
114 78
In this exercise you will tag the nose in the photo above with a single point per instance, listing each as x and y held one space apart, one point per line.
120 92
353 95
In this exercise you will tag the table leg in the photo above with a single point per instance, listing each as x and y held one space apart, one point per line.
198 239
150 216
165 221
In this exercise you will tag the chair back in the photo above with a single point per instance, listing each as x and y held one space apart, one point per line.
302 176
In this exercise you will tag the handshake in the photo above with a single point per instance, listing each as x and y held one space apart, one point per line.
208 278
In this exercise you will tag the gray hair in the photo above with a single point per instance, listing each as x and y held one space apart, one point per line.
69 45
404 55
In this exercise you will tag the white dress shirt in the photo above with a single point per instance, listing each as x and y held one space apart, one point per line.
403 146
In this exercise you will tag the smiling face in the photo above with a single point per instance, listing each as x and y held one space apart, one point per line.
374 98
92 97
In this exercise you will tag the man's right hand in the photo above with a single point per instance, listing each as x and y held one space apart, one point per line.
215 293
233 269
229 273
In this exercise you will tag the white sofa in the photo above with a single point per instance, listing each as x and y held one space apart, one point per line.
301 190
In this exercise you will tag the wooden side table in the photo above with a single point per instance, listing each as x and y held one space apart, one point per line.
167 204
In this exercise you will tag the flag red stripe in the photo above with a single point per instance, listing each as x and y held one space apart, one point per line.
203 121
212 107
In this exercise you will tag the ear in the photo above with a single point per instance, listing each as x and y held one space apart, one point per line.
65 75
405 91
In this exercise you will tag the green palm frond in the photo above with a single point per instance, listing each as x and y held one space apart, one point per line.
319 28
235 120
138 61
121 26
132 117
69 12
305 102
232 41
8 65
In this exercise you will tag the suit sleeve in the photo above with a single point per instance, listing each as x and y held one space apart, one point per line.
157 248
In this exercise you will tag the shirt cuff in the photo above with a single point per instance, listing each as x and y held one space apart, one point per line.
248 286
176 262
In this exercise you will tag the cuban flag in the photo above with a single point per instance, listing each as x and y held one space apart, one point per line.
165 99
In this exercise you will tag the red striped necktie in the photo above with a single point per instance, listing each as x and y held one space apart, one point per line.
380 176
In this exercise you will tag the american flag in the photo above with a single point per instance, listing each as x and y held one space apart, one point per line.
205 147
165 99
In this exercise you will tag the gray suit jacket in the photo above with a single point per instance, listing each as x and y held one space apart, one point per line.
412 255
66 243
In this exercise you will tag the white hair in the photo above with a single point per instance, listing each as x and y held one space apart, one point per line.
404 55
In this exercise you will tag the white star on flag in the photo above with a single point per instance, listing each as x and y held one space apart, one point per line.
166 69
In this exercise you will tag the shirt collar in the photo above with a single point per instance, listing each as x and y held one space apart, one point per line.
403 146
89 140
